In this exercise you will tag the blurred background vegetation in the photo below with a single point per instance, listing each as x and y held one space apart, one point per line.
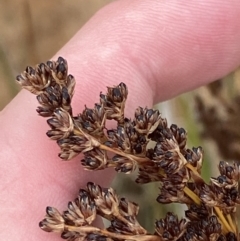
32 32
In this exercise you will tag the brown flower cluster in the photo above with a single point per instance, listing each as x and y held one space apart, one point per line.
211 207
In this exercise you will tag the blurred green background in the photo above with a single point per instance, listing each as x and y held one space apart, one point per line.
32 31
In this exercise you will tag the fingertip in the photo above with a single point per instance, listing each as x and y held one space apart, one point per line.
161 48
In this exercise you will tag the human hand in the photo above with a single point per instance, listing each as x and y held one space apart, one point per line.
158 48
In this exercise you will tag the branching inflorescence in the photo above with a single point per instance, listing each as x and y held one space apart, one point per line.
211 208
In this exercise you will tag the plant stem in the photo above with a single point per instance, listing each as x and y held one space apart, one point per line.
231 223
121 153
98 144
227 223
104 232
192 195
223 219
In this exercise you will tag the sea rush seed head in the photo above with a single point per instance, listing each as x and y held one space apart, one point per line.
177 168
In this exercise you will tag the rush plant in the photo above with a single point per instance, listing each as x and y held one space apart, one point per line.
211 207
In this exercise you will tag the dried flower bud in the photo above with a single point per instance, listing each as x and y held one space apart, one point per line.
53 221
229 170
173 195
223 182
180 135
71 146
70 84
50 100
66 100
120 137
118 226
147 120
170 228
114 102
82 211
127 167
52 85
123 164
164 146
94 190
91 163
195 157
61 68
160 132
92 121
196 212
61 122
176 181
225 198
205 229
105 199
30 81
208 196
44 111
44 71
128 208
168 156
117 94
95 159
214 226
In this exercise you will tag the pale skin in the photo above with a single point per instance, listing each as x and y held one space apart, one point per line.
158 48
